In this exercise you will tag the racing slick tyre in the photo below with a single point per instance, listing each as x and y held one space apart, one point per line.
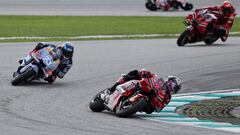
125 111
187 7
96 103
182 40
24 76
210 41
150 6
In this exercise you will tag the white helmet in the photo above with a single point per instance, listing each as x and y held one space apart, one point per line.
173 84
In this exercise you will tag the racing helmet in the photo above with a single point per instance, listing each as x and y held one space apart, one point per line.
227 7
144 73
67 49
173 84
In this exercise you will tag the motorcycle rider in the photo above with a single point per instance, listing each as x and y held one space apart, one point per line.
63 52
225 14
169 86
166 5
162 4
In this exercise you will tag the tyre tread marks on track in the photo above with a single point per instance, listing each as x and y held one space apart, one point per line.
169 114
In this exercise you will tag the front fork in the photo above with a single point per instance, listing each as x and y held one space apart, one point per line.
193 36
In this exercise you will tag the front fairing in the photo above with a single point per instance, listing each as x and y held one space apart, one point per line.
45 61
113 100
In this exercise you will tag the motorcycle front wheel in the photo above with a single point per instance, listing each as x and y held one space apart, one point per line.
24 76
96 103
124 111
182 40
150 6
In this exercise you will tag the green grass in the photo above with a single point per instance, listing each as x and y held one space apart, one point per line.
54 26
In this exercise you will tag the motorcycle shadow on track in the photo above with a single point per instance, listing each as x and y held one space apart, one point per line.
42 83
213 45
107 114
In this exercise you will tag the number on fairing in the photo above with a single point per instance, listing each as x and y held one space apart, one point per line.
47 60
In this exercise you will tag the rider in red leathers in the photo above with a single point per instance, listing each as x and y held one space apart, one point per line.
168 87
163 4
225 14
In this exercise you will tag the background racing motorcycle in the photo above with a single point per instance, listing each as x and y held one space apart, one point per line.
124 102
194 31
42 65
175 4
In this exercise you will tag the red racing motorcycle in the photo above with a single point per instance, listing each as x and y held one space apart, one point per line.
203 28
173 4
124 102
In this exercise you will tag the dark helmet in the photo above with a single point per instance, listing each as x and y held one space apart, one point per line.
67 49
173 84
227 7
144 73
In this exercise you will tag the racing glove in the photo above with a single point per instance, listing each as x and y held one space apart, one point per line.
40 45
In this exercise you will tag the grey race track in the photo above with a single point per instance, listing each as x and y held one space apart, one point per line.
92 7
62 108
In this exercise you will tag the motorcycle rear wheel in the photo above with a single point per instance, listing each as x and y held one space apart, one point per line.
23 77
96 104
211 41
134 107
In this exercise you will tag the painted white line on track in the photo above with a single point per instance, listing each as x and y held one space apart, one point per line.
196 97
98 36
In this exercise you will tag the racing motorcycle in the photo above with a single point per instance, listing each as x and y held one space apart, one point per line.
174 4
193 33
42 65
124 102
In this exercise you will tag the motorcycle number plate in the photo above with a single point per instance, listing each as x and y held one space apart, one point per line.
47 60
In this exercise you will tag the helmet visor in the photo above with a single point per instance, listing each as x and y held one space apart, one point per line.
67 54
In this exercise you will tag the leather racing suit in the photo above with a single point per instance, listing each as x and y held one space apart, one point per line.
63 67
224 22
130 82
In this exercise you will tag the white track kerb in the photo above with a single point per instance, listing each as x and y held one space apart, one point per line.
169 115
100 36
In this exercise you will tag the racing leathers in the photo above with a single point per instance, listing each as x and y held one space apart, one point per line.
167 5
131 81
162 4
64 65
224 21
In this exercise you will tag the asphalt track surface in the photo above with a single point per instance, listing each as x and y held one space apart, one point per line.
62 108
92 7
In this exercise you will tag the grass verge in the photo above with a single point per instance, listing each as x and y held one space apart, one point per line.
71 26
